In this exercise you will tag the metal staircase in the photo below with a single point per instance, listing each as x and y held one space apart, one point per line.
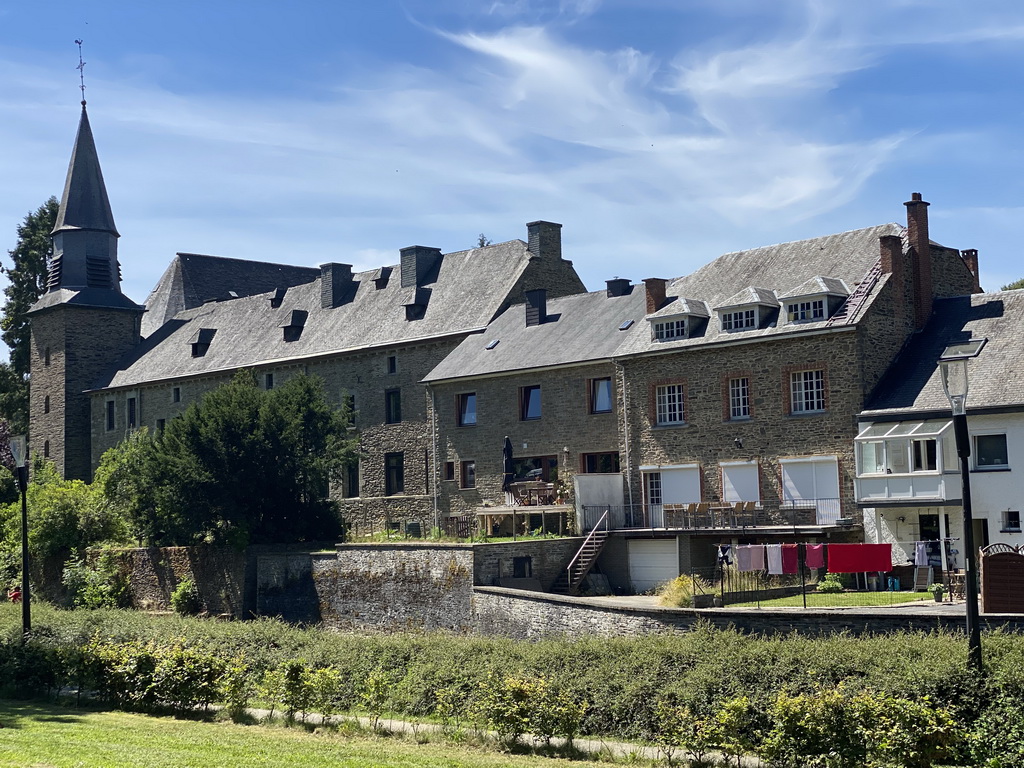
572 577
847 313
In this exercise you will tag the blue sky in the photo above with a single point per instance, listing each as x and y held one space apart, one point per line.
659 133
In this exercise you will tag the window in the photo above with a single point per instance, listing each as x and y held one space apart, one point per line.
529 403
46 357
176 395
807 391
990 452
131 412
806 310
601 395
739 398
392 364
352 480
110 415
1011 521
607 463
468 474
348 408
449 470
161 424
392 406
543 468
924 453
268 381
46 450
741 481
467 409
522 567
652 487
737 321
671 329
669 404
394 473
46 404
812 482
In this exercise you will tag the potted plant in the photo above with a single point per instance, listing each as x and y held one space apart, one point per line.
937 590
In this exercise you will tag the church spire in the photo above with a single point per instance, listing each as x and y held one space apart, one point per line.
84 204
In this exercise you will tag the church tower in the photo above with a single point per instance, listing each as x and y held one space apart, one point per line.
83 323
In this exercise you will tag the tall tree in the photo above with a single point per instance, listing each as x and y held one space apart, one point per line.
26 282
243 465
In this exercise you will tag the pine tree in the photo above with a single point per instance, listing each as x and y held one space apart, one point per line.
27 281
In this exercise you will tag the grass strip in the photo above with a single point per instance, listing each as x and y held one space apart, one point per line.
49 736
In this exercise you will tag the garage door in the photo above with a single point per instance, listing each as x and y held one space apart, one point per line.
652 562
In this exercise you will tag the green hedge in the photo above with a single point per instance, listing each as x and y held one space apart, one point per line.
902 699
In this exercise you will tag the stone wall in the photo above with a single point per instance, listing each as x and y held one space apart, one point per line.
565 422
396 587
533 616
218 572
548 558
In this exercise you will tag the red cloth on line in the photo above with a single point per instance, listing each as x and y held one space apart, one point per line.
790 559
814 555
859 558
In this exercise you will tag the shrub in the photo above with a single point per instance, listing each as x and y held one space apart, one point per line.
830 583
185 599
101 583
680 591
505 705
816 730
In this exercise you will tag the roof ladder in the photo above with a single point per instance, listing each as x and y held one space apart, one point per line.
848 311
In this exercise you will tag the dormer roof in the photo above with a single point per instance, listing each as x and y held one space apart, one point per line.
749 297
678 306
817 286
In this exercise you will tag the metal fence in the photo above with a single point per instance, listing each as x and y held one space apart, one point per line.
709 515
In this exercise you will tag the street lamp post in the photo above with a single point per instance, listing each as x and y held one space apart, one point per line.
19 449
953 364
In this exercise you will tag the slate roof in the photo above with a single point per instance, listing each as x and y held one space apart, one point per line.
816 286
751 295
580 328
470 289
681 306
193 279
913 384
84 203
782 268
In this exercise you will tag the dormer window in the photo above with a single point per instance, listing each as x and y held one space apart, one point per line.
668 330
294 324
201 341
739 320
806 310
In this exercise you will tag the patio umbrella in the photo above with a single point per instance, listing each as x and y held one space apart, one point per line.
507 469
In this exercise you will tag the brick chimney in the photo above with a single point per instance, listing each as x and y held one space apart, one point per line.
419 265
921 253
970 257
655 290
536 306
544 239
618 286
335 285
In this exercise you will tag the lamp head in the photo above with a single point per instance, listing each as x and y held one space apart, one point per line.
953 367
19 450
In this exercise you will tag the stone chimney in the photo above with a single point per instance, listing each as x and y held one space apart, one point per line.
970 257
419 265
544 239
536 306
335 284
617 287
655 289
921 253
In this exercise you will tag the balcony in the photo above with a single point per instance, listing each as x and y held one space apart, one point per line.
896 488
717 516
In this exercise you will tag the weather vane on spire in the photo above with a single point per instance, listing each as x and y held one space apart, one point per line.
81 70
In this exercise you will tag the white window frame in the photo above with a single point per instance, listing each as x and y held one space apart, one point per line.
739 319
670 405
1010 522
893 448
803 311
669 330
739 398
976 454
807 391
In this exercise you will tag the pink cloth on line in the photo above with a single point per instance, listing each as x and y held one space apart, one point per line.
814 555
859 558
790 559
743 559
757 557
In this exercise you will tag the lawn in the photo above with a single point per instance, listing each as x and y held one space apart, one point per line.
48 736
839 600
